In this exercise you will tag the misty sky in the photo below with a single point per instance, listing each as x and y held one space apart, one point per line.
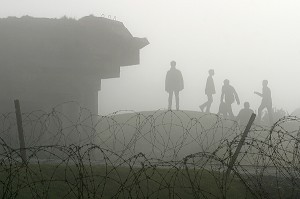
244 41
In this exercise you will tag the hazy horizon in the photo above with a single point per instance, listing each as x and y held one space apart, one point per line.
243 41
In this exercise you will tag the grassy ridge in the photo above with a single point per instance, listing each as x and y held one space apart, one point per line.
54 181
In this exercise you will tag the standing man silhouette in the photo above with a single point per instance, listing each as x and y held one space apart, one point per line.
230 96
174 84
266 101
209 91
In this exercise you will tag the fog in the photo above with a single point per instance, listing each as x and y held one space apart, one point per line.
243 41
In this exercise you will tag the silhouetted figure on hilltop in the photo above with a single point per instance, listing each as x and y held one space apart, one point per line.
266 101
230 95
223 110
244 115
174 84
209 91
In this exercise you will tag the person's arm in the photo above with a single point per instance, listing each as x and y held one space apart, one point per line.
213 86
259 94
166 83
236 97
207 86
222 95
181 81
238 117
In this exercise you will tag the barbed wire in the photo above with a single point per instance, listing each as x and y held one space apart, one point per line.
159 154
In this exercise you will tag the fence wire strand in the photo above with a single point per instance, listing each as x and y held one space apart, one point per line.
160 154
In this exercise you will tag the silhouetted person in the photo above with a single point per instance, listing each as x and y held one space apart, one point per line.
223 110
266 101
209 91
230 96
244 115
173 84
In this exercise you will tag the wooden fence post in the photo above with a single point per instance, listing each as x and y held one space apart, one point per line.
239 147
20 131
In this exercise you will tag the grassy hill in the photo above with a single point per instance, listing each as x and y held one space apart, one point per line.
67 181
164 134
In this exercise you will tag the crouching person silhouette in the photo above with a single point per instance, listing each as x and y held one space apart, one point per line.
244 115
174 84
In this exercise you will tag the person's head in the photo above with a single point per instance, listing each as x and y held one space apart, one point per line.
226 82
265 83
211 72
173 64
246 105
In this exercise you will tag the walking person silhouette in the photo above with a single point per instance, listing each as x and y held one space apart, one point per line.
173 84
266 101
230 95
209 91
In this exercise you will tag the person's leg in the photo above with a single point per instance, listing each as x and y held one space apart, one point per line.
177 99
205 104
208 103
229 111
260 108
202 106
170 100
225 113
226 110
221 109
270 113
